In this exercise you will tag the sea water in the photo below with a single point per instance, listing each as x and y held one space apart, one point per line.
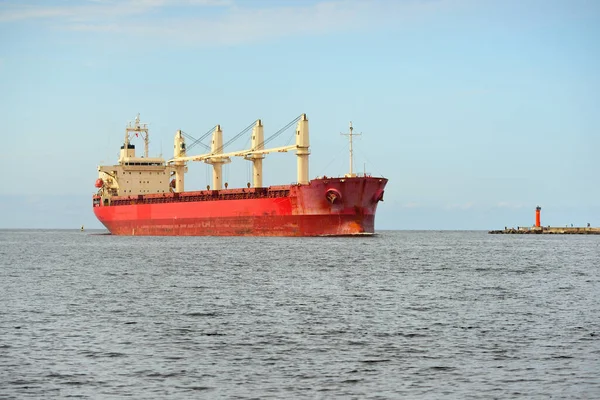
399 315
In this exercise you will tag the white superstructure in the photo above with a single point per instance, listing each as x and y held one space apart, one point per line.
134 175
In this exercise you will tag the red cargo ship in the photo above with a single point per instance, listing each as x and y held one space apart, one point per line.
145 196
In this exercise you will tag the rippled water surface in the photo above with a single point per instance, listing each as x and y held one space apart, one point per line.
399 315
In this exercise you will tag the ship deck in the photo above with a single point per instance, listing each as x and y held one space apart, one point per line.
203 195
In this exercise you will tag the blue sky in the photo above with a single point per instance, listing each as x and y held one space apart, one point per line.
476 111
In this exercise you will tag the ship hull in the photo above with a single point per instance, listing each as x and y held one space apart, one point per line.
324 207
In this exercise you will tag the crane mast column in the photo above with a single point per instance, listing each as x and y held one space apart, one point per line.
302 152
217 162
258 138
180 167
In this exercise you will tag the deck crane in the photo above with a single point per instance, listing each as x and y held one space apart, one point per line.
256 153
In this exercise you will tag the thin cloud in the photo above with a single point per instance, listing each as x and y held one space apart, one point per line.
223 21
464 206
96 10
509 205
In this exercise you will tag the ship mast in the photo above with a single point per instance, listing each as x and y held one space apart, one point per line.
138 129
350 135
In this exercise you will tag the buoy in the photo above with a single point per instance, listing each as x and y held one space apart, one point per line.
99 183
82 228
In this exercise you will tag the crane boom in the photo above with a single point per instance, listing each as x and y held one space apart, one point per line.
239 153
256 153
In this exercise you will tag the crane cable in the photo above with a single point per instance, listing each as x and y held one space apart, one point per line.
195 141
198 141
236 137
279 132
233 139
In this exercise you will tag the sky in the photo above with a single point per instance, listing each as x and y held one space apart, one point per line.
476 111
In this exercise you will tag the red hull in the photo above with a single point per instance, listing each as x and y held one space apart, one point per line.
326 206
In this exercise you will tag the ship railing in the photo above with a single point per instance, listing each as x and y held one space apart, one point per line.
214 195
357 175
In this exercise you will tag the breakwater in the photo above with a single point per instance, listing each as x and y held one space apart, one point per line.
547 230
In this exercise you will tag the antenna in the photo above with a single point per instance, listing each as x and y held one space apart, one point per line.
137 128
350 135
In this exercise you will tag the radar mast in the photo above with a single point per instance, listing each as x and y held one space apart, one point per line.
137 128
350 135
